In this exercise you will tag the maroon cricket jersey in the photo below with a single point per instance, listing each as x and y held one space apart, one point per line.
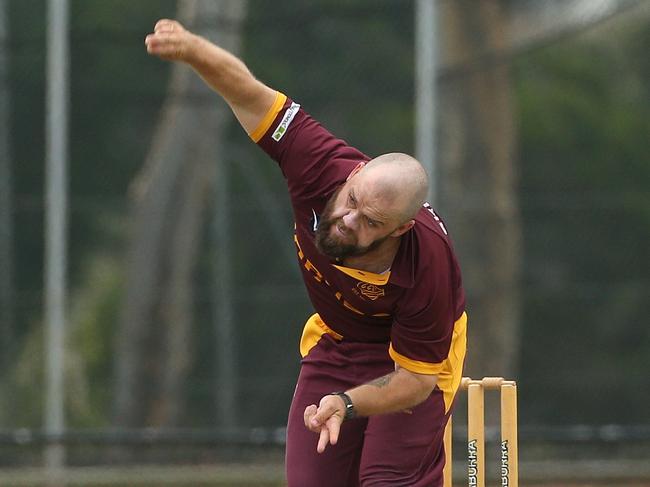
417 308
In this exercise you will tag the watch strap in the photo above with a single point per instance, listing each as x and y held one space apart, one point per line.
349 407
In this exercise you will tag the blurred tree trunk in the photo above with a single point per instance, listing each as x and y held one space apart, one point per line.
478 180
6 190
170 195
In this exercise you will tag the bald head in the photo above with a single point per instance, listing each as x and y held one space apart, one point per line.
399 179
368 214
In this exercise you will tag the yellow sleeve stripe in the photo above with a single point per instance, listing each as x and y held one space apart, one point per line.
266 122
414 365
369 277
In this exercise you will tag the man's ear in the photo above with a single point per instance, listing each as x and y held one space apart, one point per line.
359 167
403 228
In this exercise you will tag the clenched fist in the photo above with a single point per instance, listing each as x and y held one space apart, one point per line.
170 41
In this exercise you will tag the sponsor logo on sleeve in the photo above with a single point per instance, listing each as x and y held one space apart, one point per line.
281 129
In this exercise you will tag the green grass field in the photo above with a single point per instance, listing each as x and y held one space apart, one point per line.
272 475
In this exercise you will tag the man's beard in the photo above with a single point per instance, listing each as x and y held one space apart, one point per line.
332 247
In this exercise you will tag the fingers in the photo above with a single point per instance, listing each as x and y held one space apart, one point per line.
323 439
165 45
310 412
158 41
316 417
167 41
325 420
329 433
167 25
324 412
334 427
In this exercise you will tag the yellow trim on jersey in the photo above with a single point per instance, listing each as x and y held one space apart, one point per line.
450 370
266 122
314 329
416 366
369 277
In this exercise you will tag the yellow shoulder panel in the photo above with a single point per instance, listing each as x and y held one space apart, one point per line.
450 371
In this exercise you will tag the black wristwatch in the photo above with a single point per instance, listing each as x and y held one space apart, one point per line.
349 407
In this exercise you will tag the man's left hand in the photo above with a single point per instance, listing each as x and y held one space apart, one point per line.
326 420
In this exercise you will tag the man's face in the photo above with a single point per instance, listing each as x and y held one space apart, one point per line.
354 221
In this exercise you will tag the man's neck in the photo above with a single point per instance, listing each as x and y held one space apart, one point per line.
376 261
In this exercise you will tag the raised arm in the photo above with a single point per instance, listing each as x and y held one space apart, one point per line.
248 98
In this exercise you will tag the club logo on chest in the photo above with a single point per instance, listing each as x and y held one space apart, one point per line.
370 291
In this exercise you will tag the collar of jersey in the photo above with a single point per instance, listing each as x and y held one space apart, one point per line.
365 276
401 273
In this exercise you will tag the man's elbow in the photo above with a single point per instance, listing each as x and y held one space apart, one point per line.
424 385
